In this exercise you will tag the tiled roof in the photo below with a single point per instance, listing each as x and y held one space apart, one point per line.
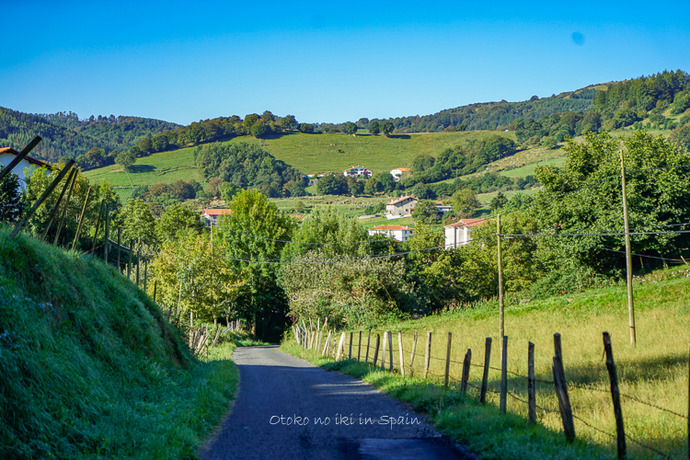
400 200
216 211
27 158
391 227
467 223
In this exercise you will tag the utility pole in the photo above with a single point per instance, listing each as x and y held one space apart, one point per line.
501 331
628 257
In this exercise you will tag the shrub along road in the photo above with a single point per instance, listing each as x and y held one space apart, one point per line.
288 408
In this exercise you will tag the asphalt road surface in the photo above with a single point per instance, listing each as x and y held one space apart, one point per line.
289 409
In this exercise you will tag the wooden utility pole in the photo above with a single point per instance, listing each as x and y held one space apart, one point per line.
501 327
628 257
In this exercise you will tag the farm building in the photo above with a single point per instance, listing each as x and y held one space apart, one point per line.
358 171
212 215
401 207
27 165
397 232
459 233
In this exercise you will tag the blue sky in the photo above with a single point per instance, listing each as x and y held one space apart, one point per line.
322 62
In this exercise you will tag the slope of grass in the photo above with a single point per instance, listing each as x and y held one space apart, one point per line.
89 367
652 375
310 153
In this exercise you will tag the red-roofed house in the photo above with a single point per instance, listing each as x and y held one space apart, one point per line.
458 234
398 232
213 214
401 207
7 154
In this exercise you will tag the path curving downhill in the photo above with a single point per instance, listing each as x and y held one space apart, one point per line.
289 409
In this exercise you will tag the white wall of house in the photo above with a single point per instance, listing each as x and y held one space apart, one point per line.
23 170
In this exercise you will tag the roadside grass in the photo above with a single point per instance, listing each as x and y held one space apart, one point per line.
90 368
654 373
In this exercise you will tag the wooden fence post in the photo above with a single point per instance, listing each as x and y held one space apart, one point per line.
427 356
485 376
390 350
531 389
447 373
359 346
414 349
81 219
349 354
504 374
615 396
341 347
402 358
325 347
61 223
383 352
466 371
562 390
376 348
366 358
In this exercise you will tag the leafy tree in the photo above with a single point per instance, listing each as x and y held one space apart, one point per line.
137 223
422 162
498 202
332 185
175 219
306 128
260 129
350 127
464 202
228 190
425 212
255 233
126 160
288 123
374 127
387 128
11 205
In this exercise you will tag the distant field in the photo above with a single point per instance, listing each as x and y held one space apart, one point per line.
160 167
310 153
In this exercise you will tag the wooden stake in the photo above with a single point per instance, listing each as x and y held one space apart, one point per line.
61 224
53 213
485 375
562 391
383 352
447 373
349 354
615 396
531 388
81 219
359 346
414 350
376 349
366 358
427 356
628 257
501 327
341 347
390 350
402 358
466 363
504 374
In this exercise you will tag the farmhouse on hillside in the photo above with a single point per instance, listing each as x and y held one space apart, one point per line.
28 164
212 215
358 171
458 234
400 172
397 232
400 207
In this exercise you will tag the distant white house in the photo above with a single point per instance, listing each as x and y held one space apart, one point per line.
401 207
441 208
212 215
398 232
458 234
28 164
399 172
358 171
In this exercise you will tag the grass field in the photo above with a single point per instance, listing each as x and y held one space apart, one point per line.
652 375
310 153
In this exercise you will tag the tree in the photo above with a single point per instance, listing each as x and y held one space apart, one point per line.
387 128
256 233
425 212
306 128
260 129
498 202
288 123
464 202
137 223
228 190
374 127
332 185
175 219
422 162
11 205
350 127
126 160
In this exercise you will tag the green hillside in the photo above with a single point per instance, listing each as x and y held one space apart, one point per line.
310 153
89 366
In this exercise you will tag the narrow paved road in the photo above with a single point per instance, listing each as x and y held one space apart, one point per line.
288 409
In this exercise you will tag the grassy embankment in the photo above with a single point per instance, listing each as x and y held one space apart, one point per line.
89 367
655 371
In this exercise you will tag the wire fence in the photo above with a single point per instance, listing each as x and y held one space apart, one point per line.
362 346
